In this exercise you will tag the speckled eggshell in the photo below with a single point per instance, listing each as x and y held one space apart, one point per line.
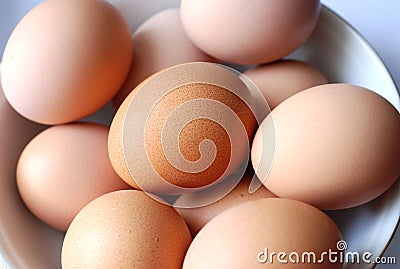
279 80
64 168
189 137
196 218
65 60
160 42
249 32
337 146
235 238
126 229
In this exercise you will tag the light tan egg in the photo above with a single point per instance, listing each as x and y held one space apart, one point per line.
337 146
126 229
279 80
160 42
185 127
65 60
253 234
249 32
196 218
64 168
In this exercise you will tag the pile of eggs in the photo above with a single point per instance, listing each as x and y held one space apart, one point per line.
202 166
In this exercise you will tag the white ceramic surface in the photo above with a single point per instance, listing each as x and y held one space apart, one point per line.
335 48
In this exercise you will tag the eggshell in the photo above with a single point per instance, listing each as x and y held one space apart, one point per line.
157 138
238 237
126 229
64 168
337 146
115 143
65 60
249 32
160 42
278 81
196 218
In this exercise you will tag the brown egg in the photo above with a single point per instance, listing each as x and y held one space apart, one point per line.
66 59
64 168
126 229
245 236
337 146
196 218
160 42
176 130
278 81
249 32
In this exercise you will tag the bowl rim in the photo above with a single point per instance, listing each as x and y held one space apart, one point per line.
380 59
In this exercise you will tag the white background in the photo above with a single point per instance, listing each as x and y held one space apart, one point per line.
377 21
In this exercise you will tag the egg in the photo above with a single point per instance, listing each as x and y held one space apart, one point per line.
246 236
249 32
336 146
65 60
196 218
160 42
126 229
63 168
183 128
279 80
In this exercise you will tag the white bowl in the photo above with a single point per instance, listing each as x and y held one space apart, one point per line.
335 48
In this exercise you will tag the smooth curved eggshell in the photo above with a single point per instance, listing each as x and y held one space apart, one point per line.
126 229
65 60
279 80
337 146
63 168
236 237
249 32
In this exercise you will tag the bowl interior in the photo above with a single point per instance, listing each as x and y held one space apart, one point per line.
343 55
335 48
